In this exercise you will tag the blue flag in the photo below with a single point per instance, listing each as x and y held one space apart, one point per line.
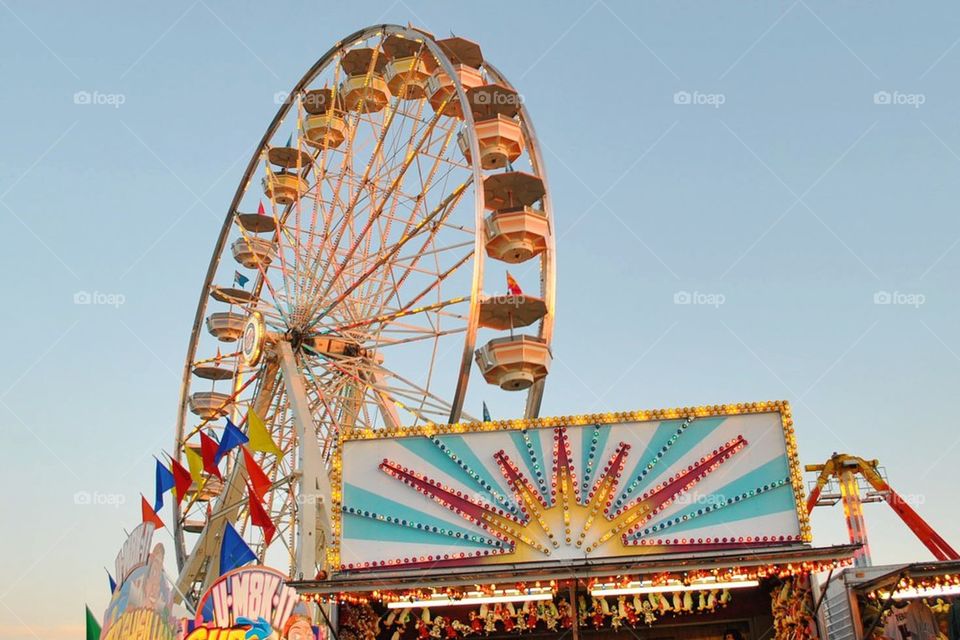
165 482
231 439
113 583
486 413
240 279
234 552
290 140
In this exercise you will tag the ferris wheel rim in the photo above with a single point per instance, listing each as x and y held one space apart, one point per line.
220 248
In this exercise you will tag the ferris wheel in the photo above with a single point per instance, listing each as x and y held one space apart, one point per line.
357 281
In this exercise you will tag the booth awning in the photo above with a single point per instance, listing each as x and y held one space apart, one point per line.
578 570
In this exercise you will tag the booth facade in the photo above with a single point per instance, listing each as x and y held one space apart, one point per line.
682 523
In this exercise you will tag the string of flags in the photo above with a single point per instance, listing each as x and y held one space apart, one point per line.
204 463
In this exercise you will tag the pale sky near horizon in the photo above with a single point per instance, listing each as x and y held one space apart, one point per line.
794 166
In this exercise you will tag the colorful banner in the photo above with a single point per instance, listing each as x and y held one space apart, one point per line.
141 605
251 603
564 489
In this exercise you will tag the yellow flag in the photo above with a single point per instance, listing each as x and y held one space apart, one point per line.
195 463
260 439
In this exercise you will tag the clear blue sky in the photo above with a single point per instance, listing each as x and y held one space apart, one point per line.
796 202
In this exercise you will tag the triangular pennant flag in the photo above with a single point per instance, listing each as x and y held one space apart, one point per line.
234 552
261 210
240 279
148 514
290 140
208 449
195 464
512 287
231 439
259 481
93 627
260 439
165 482
219 356
113 583
260 518
183 480
486 413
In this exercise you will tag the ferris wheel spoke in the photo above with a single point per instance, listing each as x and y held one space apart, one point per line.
442 208
376 211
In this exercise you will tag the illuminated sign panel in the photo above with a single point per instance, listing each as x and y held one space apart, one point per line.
600 486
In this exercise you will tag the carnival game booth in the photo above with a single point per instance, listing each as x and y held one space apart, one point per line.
683 523
868 602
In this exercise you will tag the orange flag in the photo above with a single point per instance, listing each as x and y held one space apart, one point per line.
148 514
512 287
260 518
259 481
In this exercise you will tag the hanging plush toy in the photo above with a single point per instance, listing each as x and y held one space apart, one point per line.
677 602
664 602
436 629
725 596
423 630
476 626
701 600
532 617
687 601
566 615
550 616
616 621
490 624
597 616
630 614
649 617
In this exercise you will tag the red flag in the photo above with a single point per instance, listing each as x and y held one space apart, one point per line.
259 481
261 210
208 450
181 480
148 514
260 518
512 287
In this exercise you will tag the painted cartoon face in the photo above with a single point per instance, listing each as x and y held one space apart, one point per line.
300 630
